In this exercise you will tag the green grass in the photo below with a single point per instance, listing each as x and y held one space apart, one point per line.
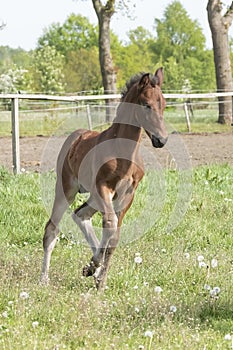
203 121
48 123
70 314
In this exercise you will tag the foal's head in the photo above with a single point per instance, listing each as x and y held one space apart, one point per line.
144 91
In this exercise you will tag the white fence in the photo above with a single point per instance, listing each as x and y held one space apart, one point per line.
14 98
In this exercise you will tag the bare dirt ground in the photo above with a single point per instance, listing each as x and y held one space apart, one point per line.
182 150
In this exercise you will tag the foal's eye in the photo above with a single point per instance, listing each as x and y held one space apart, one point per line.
147 106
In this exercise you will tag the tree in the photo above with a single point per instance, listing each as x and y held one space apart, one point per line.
104 13
48 70
219 25
75 33
82 71
135 56
180 48
14 79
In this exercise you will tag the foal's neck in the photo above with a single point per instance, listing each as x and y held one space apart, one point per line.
126 131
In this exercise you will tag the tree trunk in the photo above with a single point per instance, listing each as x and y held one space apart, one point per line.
104 14
219 25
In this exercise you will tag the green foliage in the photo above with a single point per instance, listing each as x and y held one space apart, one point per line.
82 71
67 59
180 45
75 33
134 313
49 69
134 57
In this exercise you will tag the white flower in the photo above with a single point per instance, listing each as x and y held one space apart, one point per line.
202 264
173 308
214 263
200 258
35 324
136 309
10 302
24 295
207 287
135 287
158 289
187 255
5 314
148 334
138 260
227 336
217 290
214 292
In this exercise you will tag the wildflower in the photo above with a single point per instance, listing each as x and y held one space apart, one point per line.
138 260
148 334
187 255
35 324
5 314
202 264
214 263
10 302
214 292
200 258
135 287
24 295
136 310
173 308
207 287
158 289
227 336
217 290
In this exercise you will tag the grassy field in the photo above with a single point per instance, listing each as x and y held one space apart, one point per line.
177 296
59 122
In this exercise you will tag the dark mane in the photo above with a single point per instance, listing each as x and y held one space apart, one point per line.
135 79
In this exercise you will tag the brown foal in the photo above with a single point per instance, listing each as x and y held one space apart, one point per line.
108 165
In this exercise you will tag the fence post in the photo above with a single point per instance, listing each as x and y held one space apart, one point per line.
89 117
15 134
187 116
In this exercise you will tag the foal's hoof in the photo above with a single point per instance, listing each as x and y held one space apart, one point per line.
89 270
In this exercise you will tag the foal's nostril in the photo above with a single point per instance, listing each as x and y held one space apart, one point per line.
158 142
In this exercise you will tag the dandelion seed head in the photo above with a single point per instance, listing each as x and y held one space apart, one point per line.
158 289
207 287
214 263
24 295
35 324
200 258
148 334
202 264
173 308
138 260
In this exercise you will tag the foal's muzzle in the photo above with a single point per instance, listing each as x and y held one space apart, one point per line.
158 141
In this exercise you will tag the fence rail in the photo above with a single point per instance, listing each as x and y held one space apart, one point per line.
75 99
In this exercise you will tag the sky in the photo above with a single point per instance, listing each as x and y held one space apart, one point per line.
26 19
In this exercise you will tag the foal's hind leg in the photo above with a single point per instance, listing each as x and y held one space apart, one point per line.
110 243
63 197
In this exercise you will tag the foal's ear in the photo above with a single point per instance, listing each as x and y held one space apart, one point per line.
144 81
159 76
